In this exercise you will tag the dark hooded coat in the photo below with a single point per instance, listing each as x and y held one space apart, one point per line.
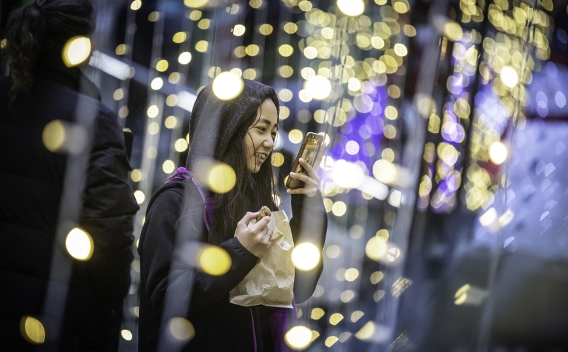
31 185
176 214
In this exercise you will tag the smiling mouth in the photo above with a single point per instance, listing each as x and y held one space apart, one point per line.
261 156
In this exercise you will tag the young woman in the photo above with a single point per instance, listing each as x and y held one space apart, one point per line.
34 183
241 133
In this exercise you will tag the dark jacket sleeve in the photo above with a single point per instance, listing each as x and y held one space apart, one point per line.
308 224
165 271
108 208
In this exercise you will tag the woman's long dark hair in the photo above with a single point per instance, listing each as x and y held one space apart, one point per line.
251 191
41 29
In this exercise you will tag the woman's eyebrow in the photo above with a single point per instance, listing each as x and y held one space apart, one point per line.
266 121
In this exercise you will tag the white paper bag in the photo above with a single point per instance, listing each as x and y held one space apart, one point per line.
271 281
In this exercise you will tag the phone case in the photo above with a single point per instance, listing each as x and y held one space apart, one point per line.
308 151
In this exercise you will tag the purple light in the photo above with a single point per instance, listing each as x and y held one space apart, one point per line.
375 124
453 132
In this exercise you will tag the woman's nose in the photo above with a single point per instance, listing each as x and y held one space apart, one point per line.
269 142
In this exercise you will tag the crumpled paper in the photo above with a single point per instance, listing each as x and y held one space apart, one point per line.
271 281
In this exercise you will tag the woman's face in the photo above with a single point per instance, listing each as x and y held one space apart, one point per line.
261 134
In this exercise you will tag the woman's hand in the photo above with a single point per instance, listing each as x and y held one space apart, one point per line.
311 178
255 238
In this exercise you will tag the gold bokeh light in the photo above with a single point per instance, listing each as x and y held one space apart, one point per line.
376 248
298 338
32 330
351 7
509 76
195 3
319 87
227 86
79 244
76 51
221 178
384 171
306 256
498 153
214 260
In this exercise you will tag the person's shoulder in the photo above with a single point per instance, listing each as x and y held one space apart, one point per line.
174 191
107 116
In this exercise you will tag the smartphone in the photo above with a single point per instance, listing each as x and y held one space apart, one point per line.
309 152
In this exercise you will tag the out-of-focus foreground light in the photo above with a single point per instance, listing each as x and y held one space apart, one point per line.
181 329
140 197
298 338
509 76
126 334
53 135
195 3
319 87
32 330
136 5
79 244
227 86
305 256
76 51
351 7
498 153
214 260
221 178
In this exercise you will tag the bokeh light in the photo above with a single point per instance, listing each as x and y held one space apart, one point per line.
221 178
298 337
214 260
305 256
157 83
195 3
181 329
126 334
319 87
376 248
295 136
509 76
239 30
140 197
79 244
498 152
227 86
351 7
184 58
347 175
32 330
76 51
53 135
384 171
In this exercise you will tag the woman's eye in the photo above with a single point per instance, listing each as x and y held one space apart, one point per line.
262 129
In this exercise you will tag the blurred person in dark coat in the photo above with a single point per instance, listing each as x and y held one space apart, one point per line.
39 89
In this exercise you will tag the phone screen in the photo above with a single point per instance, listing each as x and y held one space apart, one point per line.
309 154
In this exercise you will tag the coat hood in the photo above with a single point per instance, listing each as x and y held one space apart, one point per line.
213 121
